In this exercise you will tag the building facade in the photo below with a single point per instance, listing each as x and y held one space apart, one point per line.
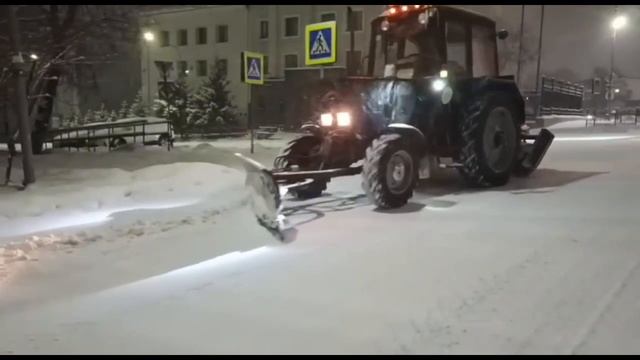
194 37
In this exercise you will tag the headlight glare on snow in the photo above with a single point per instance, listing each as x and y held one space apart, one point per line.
344 119
326 119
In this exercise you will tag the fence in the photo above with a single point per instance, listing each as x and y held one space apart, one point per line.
555 97
92 136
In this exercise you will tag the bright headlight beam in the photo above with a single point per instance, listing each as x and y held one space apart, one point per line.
326 119
344 119
438 85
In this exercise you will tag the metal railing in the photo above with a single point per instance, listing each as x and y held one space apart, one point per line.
86 136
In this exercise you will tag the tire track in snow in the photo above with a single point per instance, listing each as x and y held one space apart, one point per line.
602 310
441 332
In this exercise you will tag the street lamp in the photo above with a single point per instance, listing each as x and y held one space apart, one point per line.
149 37
617 23
33 57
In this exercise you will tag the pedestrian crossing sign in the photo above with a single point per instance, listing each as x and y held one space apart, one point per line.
320 43
252 68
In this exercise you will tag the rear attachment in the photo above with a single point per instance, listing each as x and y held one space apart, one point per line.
532 154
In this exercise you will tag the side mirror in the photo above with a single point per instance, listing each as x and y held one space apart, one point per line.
503 34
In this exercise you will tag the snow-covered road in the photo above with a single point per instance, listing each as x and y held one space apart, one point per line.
548 264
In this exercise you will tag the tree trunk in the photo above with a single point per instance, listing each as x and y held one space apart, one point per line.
20 75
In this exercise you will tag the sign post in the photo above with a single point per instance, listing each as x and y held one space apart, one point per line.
252 74
320 44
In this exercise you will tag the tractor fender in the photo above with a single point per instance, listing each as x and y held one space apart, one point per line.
504 85
415 136
312 128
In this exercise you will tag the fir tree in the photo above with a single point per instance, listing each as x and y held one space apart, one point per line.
212 105
137 108
102 115
113 116
89 117
175 107
124 110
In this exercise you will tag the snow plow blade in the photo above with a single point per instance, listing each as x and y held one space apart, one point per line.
264 196
266 190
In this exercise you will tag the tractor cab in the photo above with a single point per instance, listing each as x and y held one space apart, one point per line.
418 41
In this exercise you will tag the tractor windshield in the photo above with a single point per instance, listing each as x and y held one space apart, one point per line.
409 45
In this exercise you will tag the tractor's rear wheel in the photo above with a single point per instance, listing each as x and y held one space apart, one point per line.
304 152
490 141
389 172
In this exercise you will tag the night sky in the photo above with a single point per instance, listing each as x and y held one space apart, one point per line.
576 37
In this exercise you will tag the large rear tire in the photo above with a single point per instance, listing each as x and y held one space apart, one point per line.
490 141
303 151
389 172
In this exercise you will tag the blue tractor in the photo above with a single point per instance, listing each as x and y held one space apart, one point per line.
437 101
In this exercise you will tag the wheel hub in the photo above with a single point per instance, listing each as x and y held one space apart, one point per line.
399 170
499 141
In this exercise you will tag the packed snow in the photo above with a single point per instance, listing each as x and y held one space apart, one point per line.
544 265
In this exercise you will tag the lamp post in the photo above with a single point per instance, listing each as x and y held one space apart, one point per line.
617 23
149 37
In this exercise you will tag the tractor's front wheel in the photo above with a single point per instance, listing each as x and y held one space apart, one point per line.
389 172
304 152
490 141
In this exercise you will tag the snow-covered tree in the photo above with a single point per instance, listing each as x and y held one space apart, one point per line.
175 106
212 105
75 120
89 117
137 107
102 115
113 116
124 110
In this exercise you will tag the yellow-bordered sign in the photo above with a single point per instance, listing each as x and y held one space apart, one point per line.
320 43
252 68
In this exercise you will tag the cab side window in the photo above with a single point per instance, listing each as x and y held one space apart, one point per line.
483 45
456 35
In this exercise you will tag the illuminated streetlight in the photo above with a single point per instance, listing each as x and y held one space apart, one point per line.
33 57
618 22
148 36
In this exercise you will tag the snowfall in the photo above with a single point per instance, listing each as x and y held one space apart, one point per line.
149 251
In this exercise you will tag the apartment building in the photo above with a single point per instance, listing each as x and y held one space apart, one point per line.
193 37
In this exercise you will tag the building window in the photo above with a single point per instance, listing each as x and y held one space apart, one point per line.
183 68
290 61
355 23
353 62
182 37
331 16
201 68
223 33
201 35
291 25
223 66
164 38
264 29
265 64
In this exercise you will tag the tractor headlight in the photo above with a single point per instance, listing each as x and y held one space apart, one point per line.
326 119
344 119
438 85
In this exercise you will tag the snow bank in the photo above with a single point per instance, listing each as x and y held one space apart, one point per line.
68 197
